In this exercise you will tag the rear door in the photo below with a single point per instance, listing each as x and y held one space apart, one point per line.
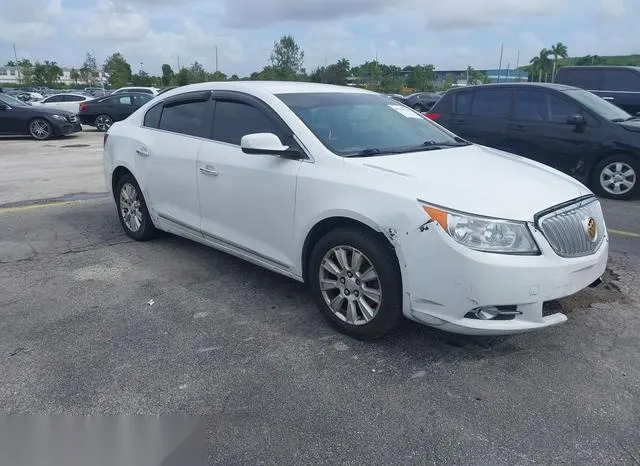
538 129
172 134
55 101
121 107
481 116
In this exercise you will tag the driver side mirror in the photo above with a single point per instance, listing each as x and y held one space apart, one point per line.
576 120
267 144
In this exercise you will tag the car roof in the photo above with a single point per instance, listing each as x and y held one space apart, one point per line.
269 87
601 67
558 87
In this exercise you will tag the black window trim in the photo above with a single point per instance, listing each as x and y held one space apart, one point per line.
290 137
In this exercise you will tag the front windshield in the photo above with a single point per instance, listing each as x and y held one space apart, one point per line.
357 124
598 105
12 101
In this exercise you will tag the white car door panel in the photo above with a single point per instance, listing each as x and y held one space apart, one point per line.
247 201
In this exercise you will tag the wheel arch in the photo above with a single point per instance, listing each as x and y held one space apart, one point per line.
118 173
327 224
608 153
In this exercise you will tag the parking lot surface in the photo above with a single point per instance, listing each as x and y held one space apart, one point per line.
93 323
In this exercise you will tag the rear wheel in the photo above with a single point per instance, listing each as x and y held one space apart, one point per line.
616 177
40 129
103 122
355 280
132 210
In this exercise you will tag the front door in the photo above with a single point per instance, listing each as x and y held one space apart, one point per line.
539 130
247 201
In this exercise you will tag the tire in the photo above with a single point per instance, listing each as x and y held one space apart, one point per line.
103 122
129 199
621 167
40 129
388 286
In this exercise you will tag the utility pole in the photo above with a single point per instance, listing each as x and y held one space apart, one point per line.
508 67
500 66
216 58
179 63
518 67
15 56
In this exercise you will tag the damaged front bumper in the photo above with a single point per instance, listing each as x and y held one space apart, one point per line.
448 286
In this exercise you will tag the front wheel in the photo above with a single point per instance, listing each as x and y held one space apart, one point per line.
40 129
616 177
103 122
132 210
355 280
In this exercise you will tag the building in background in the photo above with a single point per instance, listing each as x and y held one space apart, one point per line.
11 75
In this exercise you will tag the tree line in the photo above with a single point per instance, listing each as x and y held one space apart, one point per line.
286 63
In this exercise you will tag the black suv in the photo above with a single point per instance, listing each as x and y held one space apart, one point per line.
567 128
620 85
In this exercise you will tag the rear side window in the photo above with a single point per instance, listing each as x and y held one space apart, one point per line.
188 118
73 98
55 98
491 103
621 80
590 79
152 117
463 103
126 100
236 119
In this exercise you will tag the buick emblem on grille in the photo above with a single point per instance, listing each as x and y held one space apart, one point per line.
591 228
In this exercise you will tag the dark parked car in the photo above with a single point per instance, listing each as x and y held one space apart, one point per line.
567 128
102 112
620 85
421 101
18 118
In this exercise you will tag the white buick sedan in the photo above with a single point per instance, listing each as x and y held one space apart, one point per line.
382 212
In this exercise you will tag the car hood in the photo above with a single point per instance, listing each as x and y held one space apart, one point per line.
475 179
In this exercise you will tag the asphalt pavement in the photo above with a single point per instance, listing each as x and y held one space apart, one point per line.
93 323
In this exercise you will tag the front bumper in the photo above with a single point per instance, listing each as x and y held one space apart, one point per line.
62 128
444 282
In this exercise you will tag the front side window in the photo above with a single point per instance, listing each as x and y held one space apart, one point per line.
531 106
236 119
463 103
491 103
362 124
598 105
189 118
587 78
560 109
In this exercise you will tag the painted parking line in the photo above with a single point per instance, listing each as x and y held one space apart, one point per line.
67 199
628 234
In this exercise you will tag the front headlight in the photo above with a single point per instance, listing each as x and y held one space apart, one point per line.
485 234
59 117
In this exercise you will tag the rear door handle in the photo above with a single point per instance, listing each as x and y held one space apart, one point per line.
142 152
209 171
608 98
518 128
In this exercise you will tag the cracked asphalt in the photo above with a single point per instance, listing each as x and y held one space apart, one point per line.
248 349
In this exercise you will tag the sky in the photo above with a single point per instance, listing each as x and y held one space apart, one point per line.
450 34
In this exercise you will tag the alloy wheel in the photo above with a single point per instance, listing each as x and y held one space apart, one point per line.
40 129
103 123
350 285
130 208
618 178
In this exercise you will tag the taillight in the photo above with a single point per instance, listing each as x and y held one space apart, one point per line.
83 107
432 116
104 140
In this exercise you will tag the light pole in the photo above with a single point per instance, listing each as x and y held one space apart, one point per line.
141 67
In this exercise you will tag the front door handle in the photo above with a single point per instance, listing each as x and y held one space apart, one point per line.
518 127
209 171
608 98
142 152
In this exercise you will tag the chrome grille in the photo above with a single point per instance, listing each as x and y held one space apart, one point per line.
567 228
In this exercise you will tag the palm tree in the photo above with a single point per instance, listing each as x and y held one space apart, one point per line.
558 51
540 63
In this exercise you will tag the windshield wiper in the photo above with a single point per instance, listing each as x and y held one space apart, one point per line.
620 120
427 145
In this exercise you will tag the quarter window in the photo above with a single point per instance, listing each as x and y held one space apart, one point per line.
188 118
235 119
491 104
152 117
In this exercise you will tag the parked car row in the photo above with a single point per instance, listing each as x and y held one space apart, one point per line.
41 122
